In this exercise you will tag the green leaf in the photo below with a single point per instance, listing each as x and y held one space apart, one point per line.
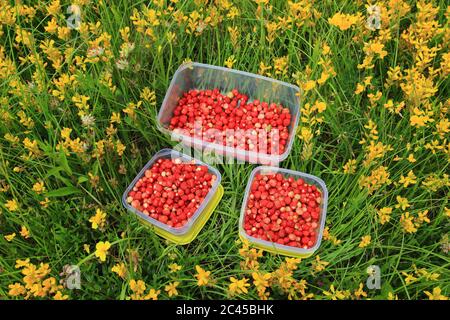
64 163
82 179
62 192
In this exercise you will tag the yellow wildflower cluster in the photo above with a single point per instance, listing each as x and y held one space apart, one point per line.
68 144
345 21
378 177
120 269
310 116
250 256
410 223
98 220
138 289
335 294
36 282
329 237
419 274
203 276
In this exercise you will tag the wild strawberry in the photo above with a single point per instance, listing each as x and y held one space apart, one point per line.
283 210
171 191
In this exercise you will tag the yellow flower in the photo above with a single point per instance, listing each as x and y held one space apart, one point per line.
87 248
402 203
406 221
120 269
319 265
171 288
52 26
12 205
11 138
411 158
325 49
230 62
24 232
98 220
447 212
39 187
281 65
120 148
391 296
360 292
101 250
54 7
115 117
44 203
263 69
377 48
202 276
173 267
419 118
22 263
422 217
409 179
238 286
60 296
409 278
292 263
377 178
384 214
335 294
152 294
330 237
350 166
343 21
436 295
138 287
261 280
148 95
16 289
309 85
359 88
10 237
365 241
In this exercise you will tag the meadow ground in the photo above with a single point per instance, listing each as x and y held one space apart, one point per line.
78 120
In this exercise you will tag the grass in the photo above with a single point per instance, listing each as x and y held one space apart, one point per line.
77 183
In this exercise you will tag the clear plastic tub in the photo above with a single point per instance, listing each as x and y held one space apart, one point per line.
189 231
202 76
275 247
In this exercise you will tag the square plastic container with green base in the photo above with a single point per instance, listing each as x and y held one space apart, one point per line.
190 230
275 247
195 75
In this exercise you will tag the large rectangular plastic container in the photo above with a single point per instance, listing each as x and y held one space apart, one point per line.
189 231
275 247
202 76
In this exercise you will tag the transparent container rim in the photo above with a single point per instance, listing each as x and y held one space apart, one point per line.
274 245
215 146
184 229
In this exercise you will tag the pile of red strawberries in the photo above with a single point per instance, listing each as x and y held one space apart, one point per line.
283 210
257 126
171 191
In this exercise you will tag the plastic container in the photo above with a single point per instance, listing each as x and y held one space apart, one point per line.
189 231
195 75
275 247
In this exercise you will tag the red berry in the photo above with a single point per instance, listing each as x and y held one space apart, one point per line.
163 189
292 223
